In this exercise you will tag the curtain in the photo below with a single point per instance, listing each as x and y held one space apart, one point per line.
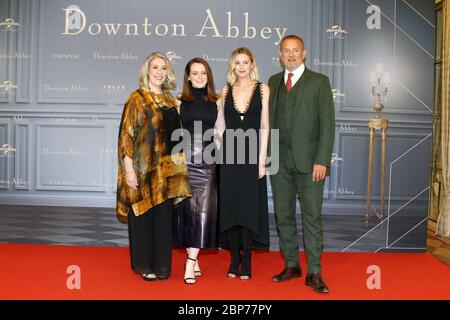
443 223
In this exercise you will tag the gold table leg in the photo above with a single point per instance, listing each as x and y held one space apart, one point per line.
383 163
369 175
375 124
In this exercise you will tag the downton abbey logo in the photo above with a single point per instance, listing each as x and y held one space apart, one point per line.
76 22
335 160
345 127
72 88
121 56
344 63
341 191
15 118
9 25
336 32
14 181
15 55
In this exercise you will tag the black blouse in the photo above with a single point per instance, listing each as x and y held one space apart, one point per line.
198 110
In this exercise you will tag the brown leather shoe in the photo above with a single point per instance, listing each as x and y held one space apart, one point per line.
315 281
287 274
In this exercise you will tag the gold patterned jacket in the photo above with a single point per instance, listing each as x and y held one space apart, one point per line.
148 121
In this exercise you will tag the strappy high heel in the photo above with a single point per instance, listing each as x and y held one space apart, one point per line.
197 271
189 280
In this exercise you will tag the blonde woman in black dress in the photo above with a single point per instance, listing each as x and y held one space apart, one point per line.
243 189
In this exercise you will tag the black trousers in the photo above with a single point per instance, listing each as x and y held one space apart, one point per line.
150 236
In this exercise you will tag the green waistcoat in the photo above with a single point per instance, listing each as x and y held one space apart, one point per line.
285 114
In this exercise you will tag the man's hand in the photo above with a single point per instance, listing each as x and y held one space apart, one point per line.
319 172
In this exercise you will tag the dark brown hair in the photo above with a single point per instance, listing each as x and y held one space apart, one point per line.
186 93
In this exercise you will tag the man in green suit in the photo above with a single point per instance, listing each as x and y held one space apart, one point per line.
301 108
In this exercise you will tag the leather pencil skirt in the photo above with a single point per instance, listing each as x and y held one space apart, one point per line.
196 221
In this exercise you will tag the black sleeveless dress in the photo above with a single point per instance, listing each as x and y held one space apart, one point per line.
242 196
196 223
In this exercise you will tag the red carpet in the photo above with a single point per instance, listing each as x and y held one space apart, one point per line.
39 272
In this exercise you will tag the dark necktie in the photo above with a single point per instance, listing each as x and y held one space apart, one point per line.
289 82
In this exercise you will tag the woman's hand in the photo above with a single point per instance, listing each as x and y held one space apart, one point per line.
261 171
131 180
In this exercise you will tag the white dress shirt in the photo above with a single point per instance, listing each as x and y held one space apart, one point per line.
297 74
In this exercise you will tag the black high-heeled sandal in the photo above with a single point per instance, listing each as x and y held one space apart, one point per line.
198 272
189 280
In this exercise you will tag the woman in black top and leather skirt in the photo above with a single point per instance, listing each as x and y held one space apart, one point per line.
196 225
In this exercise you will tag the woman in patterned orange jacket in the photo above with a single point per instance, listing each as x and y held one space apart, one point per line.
151 180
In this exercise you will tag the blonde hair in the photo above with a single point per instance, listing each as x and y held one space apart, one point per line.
231 75
169 83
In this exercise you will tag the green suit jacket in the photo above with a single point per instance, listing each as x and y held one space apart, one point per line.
314 120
